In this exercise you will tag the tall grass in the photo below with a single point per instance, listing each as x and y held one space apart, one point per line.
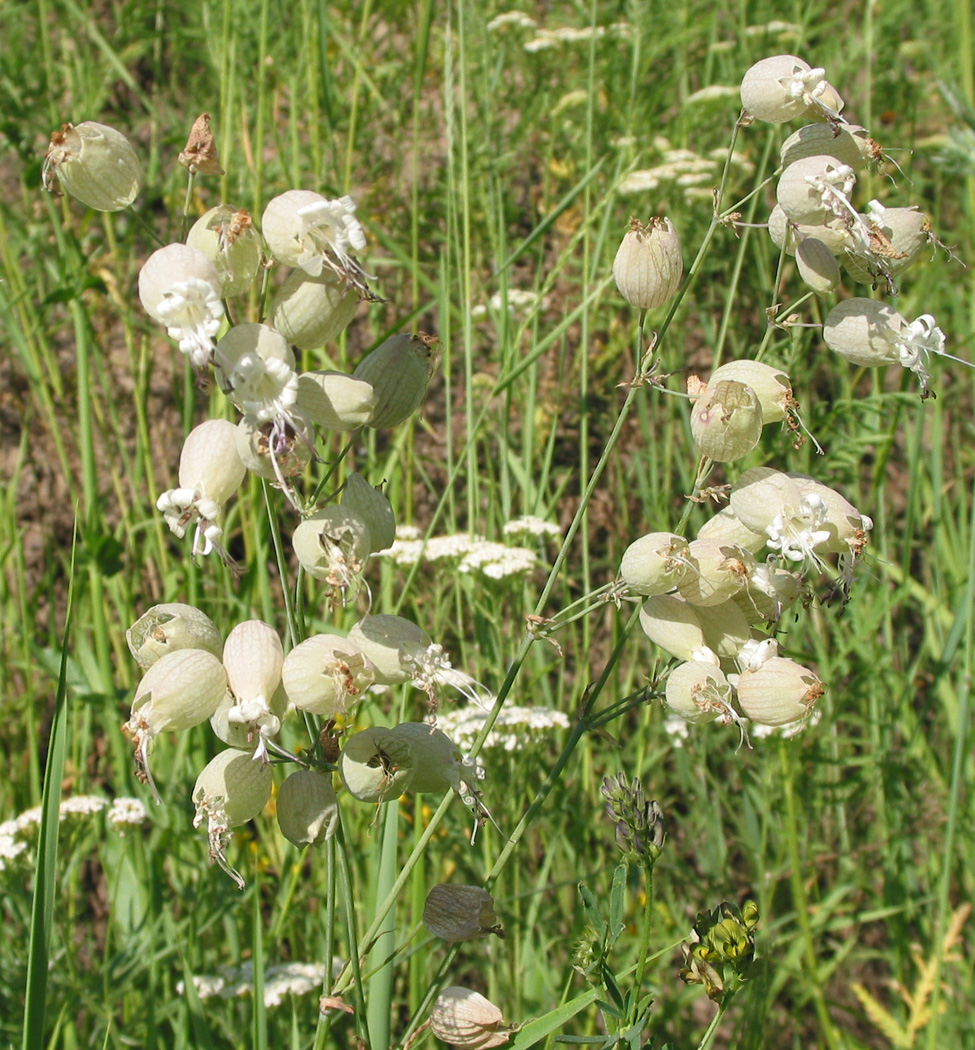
482 169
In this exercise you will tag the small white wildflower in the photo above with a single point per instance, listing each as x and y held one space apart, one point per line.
127 813
29 819
497 561
638 182
457 545
291 979
82 806
796 533
528 525
677 729
518 19
514 728
10 849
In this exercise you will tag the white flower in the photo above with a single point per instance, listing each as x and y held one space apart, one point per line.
180 287
514 728
796 532
127 813
497 561
305 229
82 806
531 526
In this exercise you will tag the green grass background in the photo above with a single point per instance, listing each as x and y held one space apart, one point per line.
478 167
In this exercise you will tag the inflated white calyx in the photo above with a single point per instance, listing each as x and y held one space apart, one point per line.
399 371
312 311
771 385
231 789
848 143
95 164
716 571
252 657
725 527
673 624
210 471
893 240
816 189
465 1019
307 808
180 690
226 235
180 288
847 527
783 87
760 494
726 420
403 652
304 229
376 766
332 545
836 234
255 369
169 627
326 674
654 563
699 692
770 590
336 401
779 691
725 626
649 264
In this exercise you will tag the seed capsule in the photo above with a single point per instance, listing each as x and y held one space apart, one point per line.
312 311
307 809
466 1019
95 164
459 913
399 371
169 627
649 265
374 508
326 674
699 692
716 572
726 420
771 385
376 765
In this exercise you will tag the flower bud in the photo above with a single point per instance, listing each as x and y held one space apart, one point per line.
376 765
398 370
467 1020
699 692
95 164
726 420
169 627
374 508
771 385
654 563
459 913
307 809
312 311
779 691
336 401
716 571
227 237
649 265
817 266
326 674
